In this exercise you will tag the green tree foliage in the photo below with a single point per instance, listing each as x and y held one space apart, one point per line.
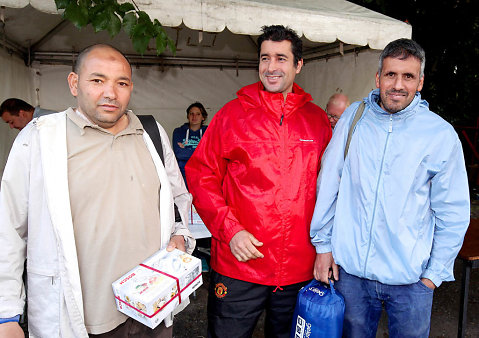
448 30
110 16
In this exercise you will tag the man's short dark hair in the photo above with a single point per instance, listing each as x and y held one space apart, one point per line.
202 109
280 33
402 49
84 53
13 106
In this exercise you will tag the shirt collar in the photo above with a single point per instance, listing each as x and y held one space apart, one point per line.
82 122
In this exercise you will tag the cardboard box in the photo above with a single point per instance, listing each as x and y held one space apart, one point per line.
149 292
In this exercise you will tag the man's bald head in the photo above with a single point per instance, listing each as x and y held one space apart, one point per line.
337 103
102 85
85 52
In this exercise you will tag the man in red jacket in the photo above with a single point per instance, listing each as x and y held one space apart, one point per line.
253 180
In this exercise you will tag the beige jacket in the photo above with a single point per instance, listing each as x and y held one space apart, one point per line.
35 223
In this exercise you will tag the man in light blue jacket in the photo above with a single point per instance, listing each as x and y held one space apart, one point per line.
393 207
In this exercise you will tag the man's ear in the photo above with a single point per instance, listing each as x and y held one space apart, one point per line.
299 66
73 83
421 84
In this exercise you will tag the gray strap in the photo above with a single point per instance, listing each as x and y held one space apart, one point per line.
357 116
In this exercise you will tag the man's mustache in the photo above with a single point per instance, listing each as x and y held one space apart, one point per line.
109 102
393 91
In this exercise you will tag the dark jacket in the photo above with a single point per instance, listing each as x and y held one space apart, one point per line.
184 154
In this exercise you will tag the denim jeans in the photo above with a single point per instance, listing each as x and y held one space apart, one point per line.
408 307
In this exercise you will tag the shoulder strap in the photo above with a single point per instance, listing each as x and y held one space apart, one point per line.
150 126
356 118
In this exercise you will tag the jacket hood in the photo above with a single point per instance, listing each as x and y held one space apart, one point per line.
254 96
374 98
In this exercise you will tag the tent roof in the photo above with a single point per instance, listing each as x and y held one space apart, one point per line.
40 28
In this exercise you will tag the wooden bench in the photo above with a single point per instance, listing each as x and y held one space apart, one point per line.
469 254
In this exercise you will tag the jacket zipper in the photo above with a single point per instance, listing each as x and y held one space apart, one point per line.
390 130
283 158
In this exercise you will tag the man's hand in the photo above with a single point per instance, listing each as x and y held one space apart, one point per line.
243 246
428 283
11 330
322 265
176 242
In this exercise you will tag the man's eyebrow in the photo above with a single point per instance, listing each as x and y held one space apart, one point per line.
98 75
276 54
122 78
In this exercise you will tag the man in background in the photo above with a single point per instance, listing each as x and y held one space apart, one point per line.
18 113
337 103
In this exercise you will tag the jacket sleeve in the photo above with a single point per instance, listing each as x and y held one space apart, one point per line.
327 186
180 153
205 172
14 199
181 196
451 206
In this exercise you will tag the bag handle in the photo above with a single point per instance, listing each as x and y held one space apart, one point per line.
356 118
331 284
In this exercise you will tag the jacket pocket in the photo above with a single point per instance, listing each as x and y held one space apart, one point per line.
43 299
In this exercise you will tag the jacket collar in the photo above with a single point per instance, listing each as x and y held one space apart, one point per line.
254 96
373 101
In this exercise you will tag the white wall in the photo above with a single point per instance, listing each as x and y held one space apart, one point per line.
351 74
167 94
17 81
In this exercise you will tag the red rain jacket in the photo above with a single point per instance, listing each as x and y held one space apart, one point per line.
255 169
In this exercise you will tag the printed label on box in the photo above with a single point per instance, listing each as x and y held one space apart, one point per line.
153 289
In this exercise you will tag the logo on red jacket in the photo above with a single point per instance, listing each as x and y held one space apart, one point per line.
220 290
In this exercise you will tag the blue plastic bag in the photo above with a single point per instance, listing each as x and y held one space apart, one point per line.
319 312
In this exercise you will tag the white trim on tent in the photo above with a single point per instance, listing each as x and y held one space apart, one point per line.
318 20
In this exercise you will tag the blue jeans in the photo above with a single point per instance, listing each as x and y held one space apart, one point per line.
408 307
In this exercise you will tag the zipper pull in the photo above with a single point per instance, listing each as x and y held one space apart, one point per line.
281 121
390 123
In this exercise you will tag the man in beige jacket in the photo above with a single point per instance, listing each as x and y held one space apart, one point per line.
85 197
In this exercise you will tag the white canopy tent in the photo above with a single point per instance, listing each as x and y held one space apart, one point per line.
216 52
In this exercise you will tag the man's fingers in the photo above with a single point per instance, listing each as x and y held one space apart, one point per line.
248 251
324 267
254 241
253 252
325 275
176 242
335 271
243 246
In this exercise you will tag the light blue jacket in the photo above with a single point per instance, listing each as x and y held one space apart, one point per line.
396 210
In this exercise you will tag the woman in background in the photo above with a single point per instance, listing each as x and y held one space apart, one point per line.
187 137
